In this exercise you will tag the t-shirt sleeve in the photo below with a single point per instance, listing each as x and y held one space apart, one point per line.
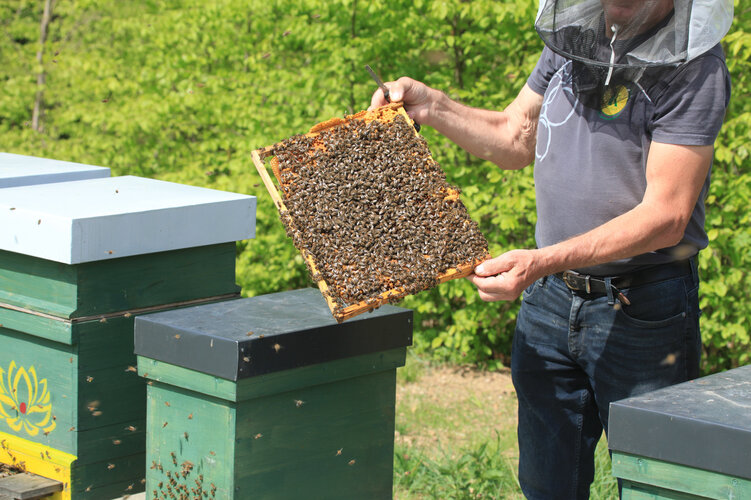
691 109
544 70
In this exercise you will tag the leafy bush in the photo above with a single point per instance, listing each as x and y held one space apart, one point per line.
725 263
184 90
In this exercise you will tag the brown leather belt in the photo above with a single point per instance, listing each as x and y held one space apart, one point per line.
598 284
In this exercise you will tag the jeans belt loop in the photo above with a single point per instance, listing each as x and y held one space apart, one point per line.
609 291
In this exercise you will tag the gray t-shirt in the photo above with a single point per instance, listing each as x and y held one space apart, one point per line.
590 164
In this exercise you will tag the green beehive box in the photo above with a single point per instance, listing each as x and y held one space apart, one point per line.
79 261
269 398
688 441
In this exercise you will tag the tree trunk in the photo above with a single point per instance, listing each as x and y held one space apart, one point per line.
352 63
36 118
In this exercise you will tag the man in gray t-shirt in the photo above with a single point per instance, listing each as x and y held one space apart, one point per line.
619 116
580 188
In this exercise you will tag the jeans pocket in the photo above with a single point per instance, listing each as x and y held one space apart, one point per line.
531 290
656 305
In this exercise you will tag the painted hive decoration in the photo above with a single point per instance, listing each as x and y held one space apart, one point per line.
79 261
370 210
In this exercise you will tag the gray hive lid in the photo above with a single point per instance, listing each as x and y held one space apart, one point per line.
289 330
704 423
20 170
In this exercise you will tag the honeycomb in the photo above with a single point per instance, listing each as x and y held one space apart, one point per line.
370 210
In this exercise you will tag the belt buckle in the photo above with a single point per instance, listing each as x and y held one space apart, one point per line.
574 283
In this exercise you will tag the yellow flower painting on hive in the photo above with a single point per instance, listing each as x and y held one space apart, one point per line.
25 400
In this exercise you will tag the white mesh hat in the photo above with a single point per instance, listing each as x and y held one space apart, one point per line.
622 38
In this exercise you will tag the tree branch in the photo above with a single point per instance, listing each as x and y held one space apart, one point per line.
36 118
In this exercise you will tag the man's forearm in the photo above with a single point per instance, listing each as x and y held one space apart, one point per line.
507 138
644 229
675 175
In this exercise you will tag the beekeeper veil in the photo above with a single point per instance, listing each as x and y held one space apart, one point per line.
629 41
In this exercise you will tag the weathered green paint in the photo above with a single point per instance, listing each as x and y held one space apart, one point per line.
37 284
192 433
112 285
328 426
108 478
105 344
636 491
108 396
336 440
39 326
647 476
272 383
98 400
116 440
183 377
120 489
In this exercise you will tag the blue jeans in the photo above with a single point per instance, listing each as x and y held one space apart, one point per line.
574 353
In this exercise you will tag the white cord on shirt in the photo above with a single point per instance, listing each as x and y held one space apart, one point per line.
614 28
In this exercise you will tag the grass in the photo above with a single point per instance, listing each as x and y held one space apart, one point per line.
456 436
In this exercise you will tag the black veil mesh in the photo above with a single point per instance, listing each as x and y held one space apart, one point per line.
628 42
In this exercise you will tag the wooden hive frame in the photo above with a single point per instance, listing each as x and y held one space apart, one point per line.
259 157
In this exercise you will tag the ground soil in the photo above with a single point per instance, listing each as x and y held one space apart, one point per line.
453 407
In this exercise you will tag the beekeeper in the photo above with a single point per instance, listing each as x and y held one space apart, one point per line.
619 116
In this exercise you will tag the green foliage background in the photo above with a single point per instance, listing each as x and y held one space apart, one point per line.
185 90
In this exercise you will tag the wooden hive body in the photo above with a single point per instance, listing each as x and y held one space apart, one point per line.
74 408
269 398
688 441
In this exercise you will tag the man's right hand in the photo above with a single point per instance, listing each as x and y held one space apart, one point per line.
507 138
416 96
